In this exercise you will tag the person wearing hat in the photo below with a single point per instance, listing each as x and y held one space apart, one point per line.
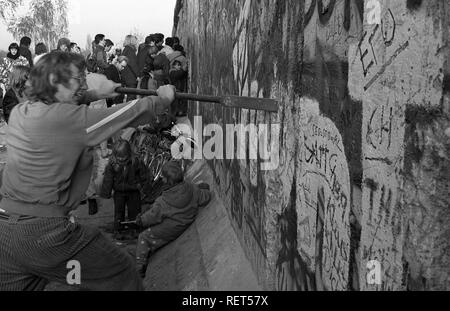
12 59
171 214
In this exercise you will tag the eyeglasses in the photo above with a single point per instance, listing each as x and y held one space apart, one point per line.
80 79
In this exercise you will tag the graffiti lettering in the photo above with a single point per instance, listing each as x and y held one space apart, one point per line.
385 203
388 27
326 134
292 269
324 205
379 128
366 51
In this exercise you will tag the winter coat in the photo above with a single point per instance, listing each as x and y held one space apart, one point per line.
123 178
175 210
113 74
161 67
9 102
25 52
100 58
7 66
142 58
131 71
148 67
177 55
178 79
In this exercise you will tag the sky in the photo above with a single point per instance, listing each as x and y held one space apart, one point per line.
114 18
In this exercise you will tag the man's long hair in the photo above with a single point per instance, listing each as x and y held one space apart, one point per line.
56 63
18 79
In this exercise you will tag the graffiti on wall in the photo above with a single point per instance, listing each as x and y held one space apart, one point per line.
315 249
383 133
241 48
292 269
324 198
376 49
255 215
378 52
325 75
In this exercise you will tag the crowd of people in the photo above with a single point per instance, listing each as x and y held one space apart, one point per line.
157 61
59 106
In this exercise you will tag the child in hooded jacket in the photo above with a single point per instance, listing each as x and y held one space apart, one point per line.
171 214
127 176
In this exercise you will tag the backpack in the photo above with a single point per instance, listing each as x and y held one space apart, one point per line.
91 63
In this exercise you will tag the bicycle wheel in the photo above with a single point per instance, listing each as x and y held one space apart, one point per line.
158 162
154 166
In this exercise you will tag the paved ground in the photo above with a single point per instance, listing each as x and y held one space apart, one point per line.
207 256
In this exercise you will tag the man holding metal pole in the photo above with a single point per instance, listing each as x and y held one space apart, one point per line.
47 174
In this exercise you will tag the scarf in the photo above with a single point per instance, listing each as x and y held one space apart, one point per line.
9 55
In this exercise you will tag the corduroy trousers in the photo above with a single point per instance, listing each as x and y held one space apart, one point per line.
36 251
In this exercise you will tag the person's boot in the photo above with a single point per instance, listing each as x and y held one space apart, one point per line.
93 208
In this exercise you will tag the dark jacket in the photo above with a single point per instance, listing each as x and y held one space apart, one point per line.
101 58
161 67
25 52
175 210
178 79
142 59
9 102
131 72
113 74
148 67
123 178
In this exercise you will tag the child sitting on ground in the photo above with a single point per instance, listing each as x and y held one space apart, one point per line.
171 214
126 175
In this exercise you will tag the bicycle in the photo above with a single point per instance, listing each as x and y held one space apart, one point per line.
157 162
180 141
154 147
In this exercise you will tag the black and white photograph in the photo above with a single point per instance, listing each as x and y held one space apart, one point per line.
224 150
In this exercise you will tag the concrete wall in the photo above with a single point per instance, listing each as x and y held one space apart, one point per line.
364 143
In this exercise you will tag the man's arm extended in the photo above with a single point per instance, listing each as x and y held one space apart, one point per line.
99 87
100 124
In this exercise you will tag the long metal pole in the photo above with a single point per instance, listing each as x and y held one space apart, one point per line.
265 104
